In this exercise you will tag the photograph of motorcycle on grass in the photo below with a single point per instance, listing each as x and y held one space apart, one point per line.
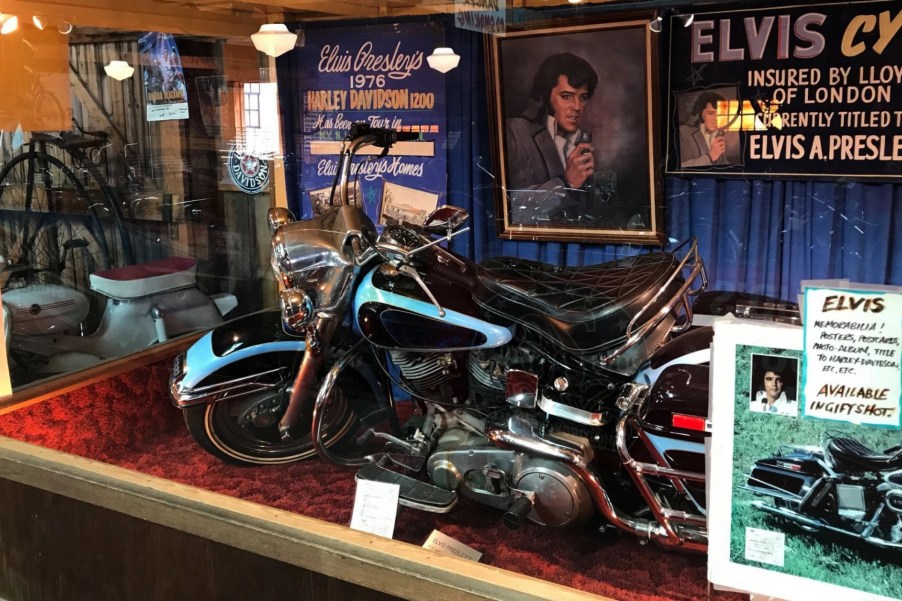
842 486
550 393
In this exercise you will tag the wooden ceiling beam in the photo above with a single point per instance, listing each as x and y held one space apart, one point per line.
337 8
139 15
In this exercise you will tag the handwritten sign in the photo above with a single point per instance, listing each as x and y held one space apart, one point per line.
375 507
852 356
796 91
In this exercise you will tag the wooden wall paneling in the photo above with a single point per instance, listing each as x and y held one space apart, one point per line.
377 563
56 548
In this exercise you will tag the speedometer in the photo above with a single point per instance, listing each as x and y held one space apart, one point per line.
401 236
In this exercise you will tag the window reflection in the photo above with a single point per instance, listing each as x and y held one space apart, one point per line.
120 226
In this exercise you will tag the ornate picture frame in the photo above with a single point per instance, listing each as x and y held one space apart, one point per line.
609 115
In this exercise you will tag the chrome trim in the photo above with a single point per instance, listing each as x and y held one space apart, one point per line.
887 501
664 517
187 397
694 534
804 520
634 334
630 394
297 309
571 413
276 217
319 408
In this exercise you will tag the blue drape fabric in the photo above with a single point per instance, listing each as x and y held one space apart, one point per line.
754 235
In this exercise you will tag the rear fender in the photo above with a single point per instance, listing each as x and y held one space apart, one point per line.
691 348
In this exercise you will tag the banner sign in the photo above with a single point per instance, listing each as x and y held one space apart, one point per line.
376 75
799 91
164 81
852 353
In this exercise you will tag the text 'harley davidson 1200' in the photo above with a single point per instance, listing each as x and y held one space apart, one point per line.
551 393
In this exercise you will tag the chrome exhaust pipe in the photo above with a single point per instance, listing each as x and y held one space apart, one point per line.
645 529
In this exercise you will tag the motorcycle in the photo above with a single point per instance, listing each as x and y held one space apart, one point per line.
550 393
143 304
841 486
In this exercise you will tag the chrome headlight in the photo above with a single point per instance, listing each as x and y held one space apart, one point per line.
297 309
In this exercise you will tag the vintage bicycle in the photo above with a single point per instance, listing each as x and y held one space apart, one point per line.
59 220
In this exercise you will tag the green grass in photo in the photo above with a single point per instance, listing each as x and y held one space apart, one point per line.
828 557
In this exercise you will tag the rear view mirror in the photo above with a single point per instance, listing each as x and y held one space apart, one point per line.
445 219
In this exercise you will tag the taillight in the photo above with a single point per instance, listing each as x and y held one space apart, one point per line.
690 422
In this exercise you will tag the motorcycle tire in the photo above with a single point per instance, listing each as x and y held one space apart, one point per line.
224 430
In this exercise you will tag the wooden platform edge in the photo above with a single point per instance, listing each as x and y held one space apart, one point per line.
377 563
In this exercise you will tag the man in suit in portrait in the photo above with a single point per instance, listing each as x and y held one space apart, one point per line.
702 143
548 158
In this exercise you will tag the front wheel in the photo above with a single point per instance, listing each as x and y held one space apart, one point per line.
245 431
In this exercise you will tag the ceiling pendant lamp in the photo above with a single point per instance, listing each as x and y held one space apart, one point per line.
10 24
443 59
274 39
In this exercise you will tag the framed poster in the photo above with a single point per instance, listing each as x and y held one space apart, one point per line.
791 512
573 131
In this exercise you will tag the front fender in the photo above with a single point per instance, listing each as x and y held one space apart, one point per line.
238 357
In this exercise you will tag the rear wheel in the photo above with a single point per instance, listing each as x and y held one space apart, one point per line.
245 431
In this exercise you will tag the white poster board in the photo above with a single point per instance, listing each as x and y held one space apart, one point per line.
852 356
751 549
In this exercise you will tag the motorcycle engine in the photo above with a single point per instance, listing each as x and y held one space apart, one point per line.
476 469
438 377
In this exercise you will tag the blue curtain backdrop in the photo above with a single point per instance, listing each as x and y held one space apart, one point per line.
755 236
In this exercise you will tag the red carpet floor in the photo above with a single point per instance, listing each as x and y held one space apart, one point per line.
128 421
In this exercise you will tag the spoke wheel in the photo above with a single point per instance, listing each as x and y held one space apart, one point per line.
52 230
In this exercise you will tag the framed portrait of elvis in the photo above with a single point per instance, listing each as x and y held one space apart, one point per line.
573 123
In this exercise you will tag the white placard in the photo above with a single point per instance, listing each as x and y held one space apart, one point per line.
447 545
765 546
375 507
852 354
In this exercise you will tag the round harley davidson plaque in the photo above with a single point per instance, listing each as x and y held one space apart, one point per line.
247 171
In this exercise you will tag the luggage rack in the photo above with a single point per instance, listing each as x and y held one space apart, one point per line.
636 331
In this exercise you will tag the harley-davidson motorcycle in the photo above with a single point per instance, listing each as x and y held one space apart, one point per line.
551 393
841 486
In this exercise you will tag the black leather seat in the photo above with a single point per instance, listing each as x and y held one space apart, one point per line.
583 309
847 454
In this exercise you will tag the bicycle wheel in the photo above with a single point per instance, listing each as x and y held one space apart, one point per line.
52 230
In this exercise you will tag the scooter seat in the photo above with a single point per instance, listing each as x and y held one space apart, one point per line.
145 279
583 309
847 454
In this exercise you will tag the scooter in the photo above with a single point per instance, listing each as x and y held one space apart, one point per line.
143 304
841 486
550 393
